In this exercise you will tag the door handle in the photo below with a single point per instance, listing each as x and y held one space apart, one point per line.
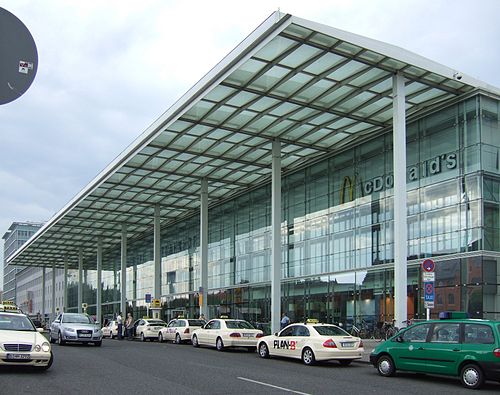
456 349
421 348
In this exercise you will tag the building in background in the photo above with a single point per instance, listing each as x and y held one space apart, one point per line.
24 285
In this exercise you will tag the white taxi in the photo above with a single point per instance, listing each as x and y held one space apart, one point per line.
311 342
223 332
110 330
148 328
179 330
21 344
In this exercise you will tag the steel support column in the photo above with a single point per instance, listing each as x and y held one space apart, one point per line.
203 291
123 272
157 254
98 313
80 280
65 284
276 237
53 309
43 292
400 218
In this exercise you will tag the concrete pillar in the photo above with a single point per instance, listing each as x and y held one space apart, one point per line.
276 237
80 280
203 291
157 254
400 218
123 269
98 314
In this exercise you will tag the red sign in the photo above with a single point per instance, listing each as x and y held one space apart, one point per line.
428 265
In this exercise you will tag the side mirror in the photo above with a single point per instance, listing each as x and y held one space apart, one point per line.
40 330
57 322
400 339
275 333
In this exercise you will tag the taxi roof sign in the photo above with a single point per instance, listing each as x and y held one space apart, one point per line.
9 307
312 321
453 315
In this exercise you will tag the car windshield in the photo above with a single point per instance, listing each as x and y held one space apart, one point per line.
16 323
239 325
196 322
330 330
157 322
77 319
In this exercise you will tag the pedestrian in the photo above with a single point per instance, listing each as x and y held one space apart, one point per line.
202 317
119 322
284 320
129 326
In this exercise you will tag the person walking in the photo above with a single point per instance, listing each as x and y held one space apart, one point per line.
284 320
129 326
119 323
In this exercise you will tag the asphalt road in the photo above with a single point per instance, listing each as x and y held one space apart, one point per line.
132 367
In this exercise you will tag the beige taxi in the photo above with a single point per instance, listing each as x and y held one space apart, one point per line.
224 332
21 344
311 342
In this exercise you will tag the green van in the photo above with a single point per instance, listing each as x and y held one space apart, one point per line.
468 348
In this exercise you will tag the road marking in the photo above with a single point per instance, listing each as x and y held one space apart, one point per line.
273 386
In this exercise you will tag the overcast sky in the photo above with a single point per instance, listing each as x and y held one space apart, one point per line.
108 69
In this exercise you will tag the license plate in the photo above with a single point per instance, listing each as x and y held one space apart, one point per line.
347 344
18 356
85 335
248 335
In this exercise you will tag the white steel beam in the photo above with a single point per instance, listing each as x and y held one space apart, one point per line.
157 254
98 313
400 218
43 292
53 310
276 237
65 296
80 280
203 291
123 271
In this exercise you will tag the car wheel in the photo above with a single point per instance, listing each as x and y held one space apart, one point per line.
219 345
51 339
385 366
143 338
471 376
194 341
308 356
98 344
60 340
263 350
160 337
345 362
178 339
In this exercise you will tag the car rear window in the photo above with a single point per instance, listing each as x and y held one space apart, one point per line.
478 334
239 325
324 330
196 322
156 322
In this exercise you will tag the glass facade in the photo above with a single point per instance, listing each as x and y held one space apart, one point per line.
337 233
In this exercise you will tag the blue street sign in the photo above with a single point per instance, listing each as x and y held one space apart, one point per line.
148 298
429 292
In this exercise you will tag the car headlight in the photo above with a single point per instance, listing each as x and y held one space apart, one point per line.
97 330
69 329
38 348
45 347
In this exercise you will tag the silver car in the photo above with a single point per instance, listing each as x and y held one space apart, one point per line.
75 327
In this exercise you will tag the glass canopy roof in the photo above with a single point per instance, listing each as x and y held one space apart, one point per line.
315 88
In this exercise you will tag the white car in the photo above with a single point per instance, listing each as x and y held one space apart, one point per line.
21 344
110 330
312 342
179 330
221 333
148 328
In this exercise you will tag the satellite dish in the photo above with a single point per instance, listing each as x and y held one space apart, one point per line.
18 57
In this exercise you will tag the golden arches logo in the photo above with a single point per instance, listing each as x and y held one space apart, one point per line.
347 184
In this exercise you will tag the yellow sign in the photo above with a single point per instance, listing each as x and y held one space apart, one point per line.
156 303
